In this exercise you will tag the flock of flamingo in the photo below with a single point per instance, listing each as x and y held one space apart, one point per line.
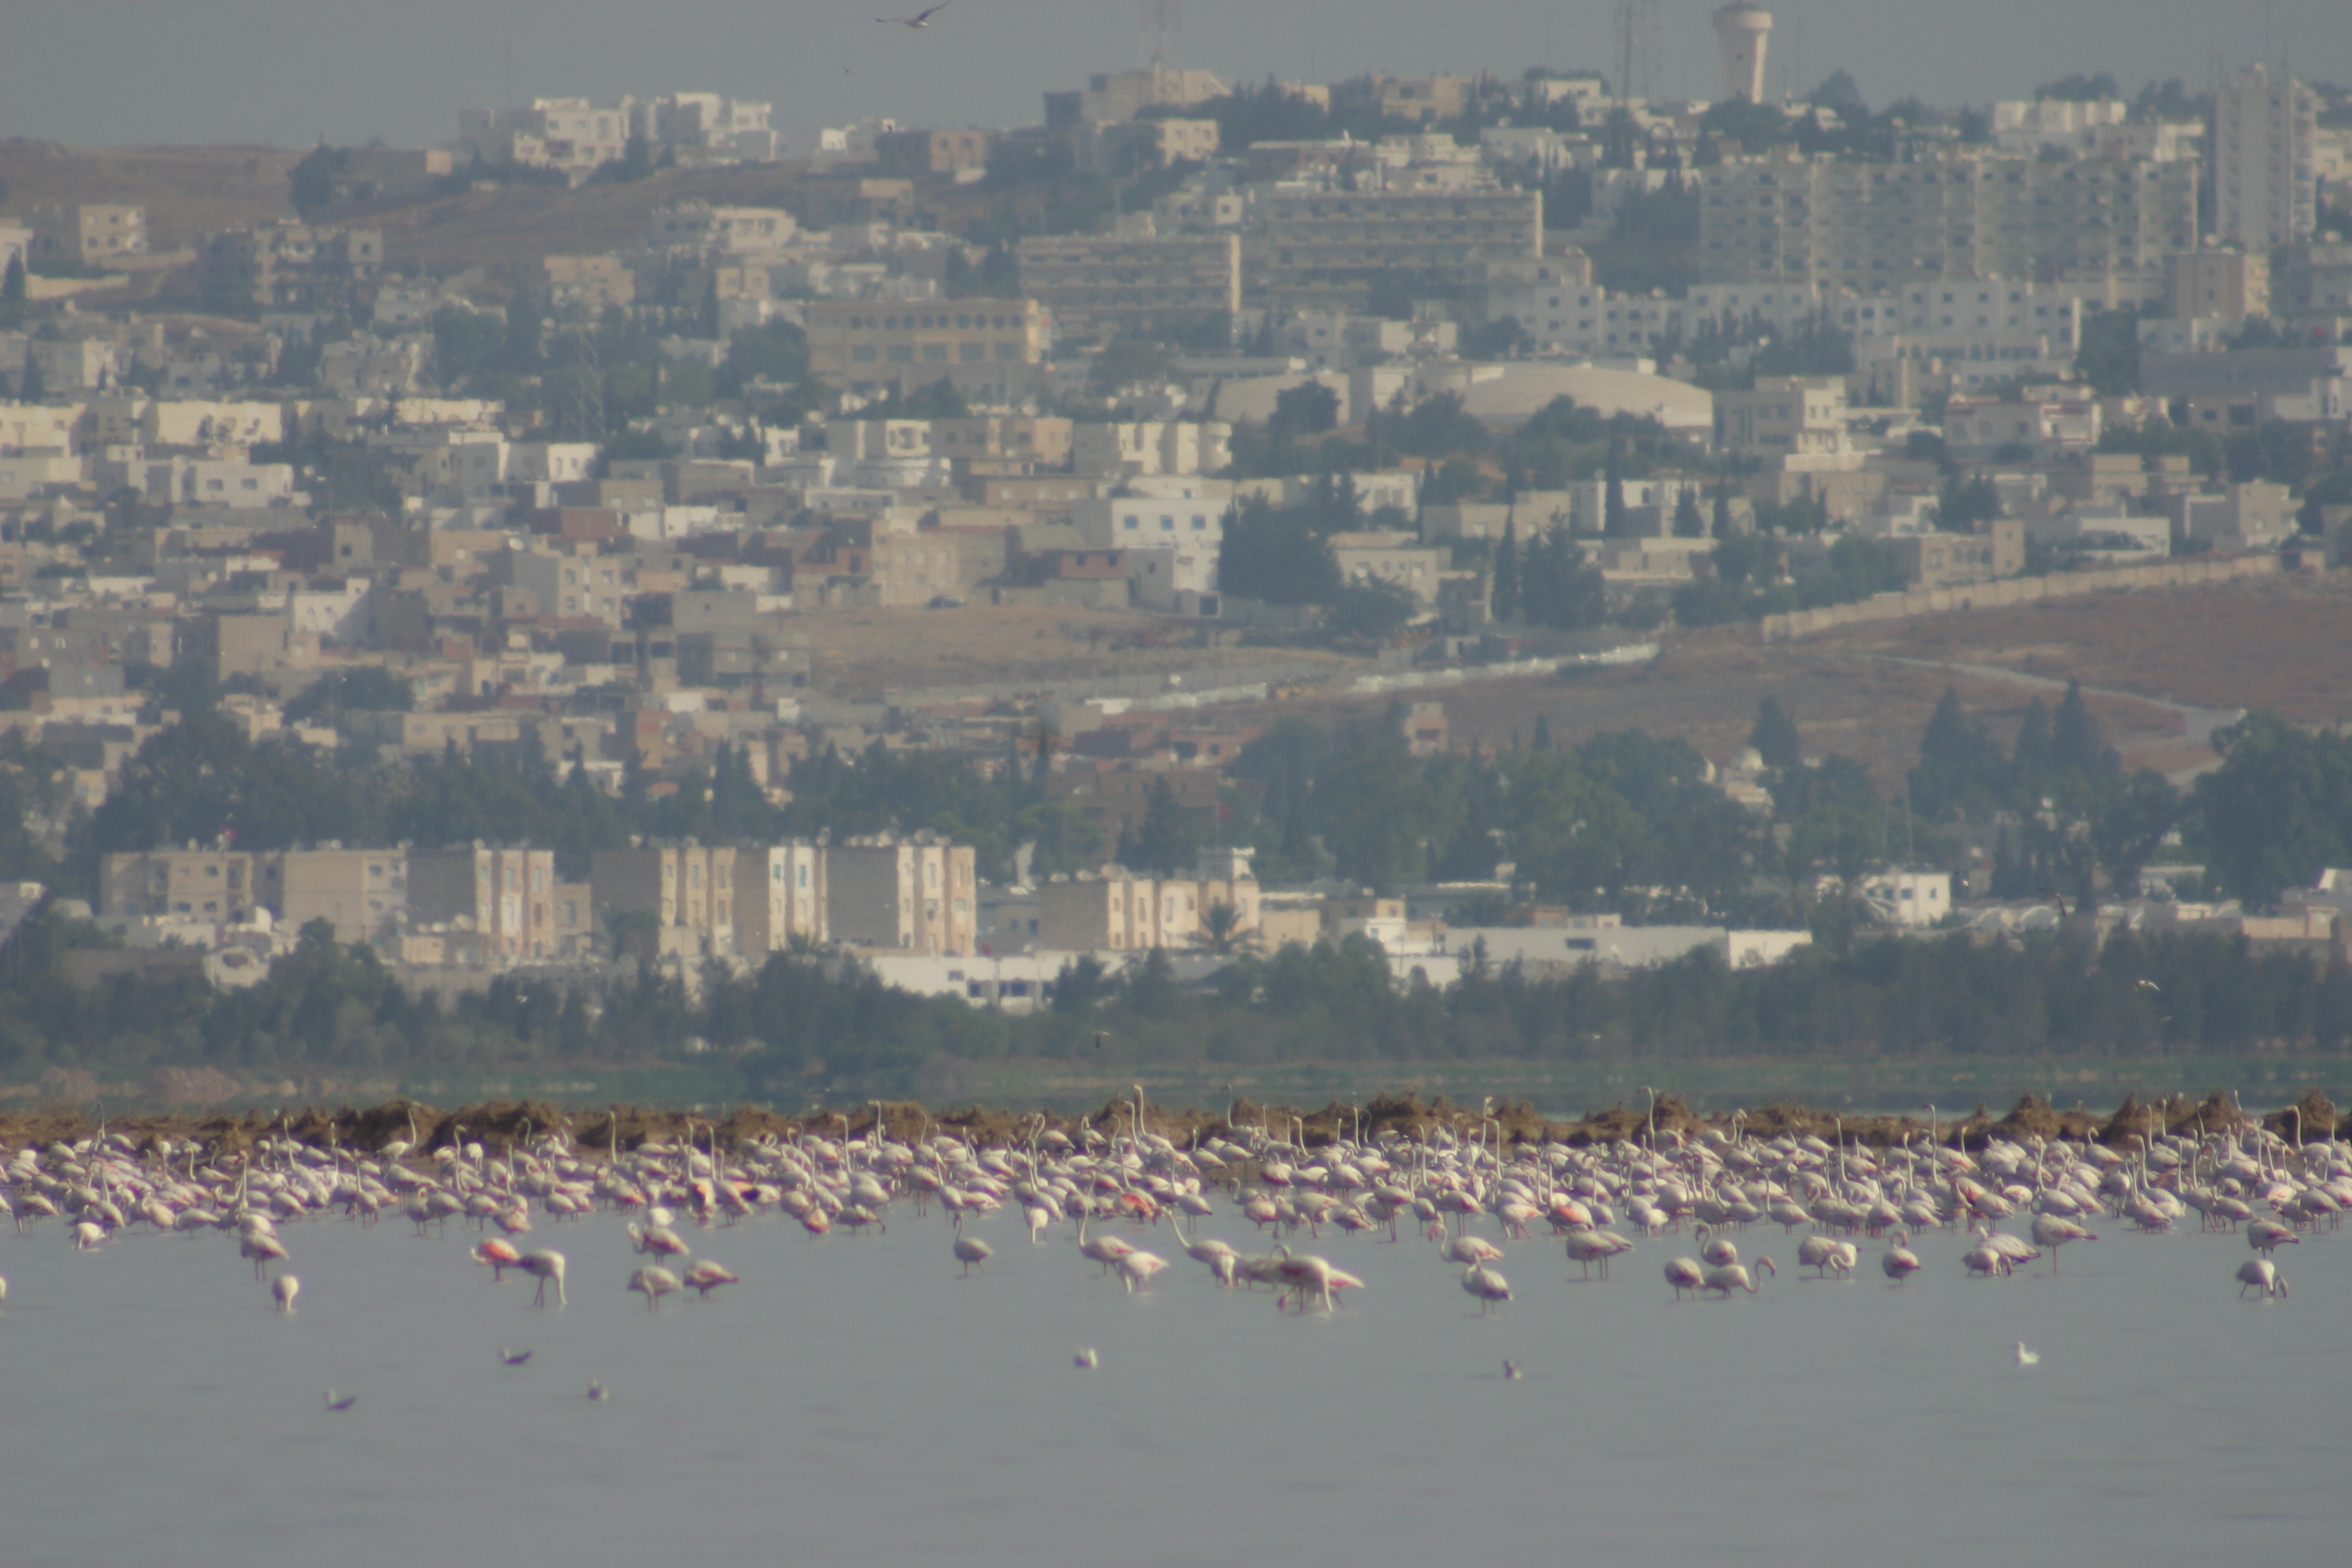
1114 1190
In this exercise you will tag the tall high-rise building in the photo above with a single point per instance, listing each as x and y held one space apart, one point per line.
1742 30
2265 184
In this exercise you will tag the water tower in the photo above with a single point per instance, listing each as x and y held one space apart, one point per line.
1740 30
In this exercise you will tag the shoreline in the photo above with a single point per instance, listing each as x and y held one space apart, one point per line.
498 1124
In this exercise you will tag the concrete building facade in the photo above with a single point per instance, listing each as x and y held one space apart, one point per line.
779 894
508 899
917 895
688 889
2265 184
1873 226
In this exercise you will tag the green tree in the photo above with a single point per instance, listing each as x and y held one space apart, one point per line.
2277 810
1311 408
1558 587
1368 797
1960 767
2108 357
1774 736
1167 841
1505 594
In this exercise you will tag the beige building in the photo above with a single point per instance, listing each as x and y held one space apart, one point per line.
1122 95
915 895
1782 416
688 889
1096 284
593 280
779 894
1131 146
363 893
93 233
1043 441
1330 251
913 154
508 899
215 884
866 345
2265 181
1871 226
1121 913
2218 283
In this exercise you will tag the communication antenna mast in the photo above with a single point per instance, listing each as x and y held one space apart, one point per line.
1163 24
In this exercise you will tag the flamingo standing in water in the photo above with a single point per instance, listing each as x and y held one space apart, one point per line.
706 1277
1685 1274
1726 1278
656 1282
1106 1251
1586 1247
1136 1269
500 1255
2051 1231
2260 1274
544 1266
1899 1262
1488 1286
971 1251
283 1290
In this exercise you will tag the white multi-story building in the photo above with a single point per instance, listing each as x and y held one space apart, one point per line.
2265 187
1167 516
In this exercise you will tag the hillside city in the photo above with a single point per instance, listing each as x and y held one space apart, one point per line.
632 541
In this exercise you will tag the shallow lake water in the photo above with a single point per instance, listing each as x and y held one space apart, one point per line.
852 1400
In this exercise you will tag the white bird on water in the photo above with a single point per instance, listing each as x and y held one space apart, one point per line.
2026 1356
283 1290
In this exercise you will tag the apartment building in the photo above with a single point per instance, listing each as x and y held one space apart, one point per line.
867 344
2265 178
508 898
1191 521
916 895
208 884
91 233
1120 911
2223 283
688 889
1870 226
363 893
1330 250
1783 416
574 134
1153 448
1131 146
1097 285
286 265
779 894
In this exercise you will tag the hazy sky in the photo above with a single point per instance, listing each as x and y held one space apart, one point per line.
289 71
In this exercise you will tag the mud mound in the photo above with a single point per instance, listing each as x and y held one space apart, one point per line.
2031 1117
2312 1117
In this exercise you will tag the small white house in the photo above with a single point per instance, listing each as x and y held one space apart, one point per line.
1908 898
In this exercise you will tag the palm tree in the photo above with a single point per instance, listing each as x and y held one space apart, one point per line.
1221 933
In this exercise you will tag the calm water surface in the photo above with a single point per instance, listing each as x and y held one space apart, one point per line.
853 1401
